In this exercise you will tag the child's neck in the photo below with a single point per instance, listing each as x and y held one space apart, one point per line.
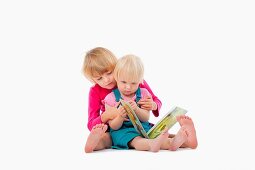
127 98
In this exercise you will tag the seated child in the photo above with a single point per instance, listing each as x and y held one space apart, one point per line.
128 74
98 67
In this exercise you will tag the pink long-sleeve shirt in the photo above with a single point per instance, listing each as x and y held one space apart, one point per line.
96 106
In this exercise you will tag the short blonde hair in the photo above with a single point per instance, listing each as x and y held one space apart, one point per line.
98 61
130 67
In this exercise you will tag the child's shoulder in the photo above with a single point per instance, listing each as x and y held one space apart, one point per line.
110 99
99 89
110 95
95 87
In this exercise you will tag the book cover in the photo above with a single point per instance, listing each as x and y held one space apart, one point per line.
165 122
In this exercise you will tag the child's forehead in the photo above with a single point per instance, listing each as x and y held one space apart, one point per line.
128 78
101 73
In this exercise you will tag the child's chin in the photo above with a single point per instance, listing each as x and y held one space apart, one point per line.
110 87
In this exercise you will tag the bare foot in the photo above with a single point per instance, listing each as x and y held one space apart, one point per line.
188 125
94 137
178 140
156 143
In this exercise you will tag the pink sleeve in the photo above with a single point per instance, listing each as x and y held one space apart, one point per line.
110 100
145 92
94 116
154 98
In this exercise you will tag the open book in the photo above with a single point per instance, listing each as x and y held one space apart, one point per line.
165 122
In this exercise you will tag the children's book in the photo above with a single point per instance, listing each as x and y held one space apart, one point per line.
165 122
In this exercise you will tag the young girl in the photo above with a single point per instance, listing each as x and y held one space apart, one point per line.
129 74
98 67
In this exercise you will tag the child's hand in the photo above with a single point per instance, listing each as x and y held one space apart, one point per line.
147 103
112 112
133 105
122 113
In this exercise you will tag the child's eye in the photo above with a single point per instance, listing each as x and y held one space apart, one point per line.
99 78
123 82
108 73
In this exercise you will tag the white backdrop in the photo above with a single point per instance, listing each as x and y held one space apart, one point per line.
198 55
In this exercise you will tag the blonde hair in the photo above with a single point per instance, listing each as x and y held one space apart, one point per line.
130 67
98 61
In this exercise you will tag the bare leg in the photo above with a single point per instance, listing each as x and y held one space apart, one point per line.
178 140
98 139
170 137
174 143
152 145
188 125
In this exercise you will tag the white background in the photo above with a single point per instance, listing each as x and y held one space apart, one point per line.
197 54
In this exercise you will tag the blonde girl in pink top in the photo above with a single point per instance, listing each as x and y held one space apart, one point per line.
98 67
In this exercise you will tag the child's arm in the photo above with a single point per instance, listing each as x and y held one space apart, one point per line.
142 114
154 98
117 122
94 106
109 114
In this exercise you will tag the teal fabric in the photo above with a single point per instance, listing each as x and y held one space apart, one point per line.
127 132
118 95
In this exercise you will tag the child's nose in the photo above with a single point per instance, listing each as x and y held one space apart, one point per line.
106 79
127 86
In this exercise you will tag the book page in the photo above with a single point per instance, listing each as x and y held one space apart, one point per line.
166 122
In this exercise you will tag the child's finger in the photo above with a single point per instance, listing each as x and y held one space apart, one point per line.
147 105
144 102
126 119
146 98
123 111
120 108
141 101
118 104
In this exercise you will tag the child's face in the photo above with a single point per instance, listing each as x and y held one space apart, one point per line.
106 80
127 88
